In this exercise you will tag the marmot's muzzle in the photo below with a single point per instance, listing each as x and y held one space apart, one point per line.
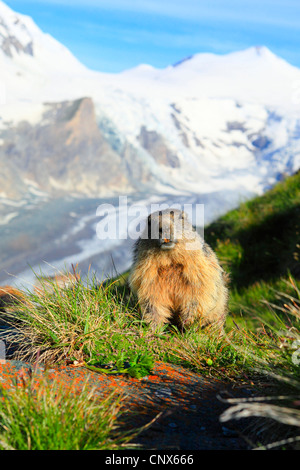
166 243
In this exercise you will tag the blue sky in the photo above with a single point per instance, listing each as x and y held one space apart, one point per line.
113 35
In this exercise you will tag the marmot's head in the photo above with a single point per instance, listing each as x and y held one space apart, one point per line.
167 228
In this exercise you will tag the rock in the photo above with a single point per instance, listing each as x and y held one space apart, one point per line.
166 397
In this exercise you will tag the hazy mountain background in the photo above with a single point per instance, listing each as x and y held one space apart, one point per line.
209 129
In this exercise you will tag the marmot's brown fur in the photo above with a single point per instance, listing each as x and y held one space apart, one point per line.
176 275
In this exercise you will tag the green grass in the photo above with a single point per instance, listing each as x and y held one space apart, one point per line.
87 324
250 306
259 244
260 241
100 326
49 417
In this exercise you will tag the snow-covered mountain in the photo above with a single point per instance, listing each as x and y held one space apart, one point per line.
207 123
29 54
226 126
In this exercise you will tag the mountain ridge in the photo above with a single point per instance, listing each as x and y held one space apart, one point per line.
222 128
218 121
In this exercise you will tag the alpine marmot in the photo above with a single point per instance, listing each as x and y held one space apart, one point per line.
176 275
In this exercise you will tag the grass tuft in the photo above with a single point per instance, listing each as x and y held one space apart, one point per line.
49 416
98 327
